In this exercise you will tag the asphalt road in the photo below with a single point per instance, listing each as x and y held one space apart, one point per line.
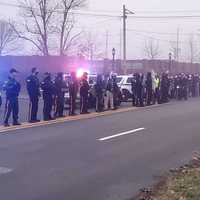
24 109
77 161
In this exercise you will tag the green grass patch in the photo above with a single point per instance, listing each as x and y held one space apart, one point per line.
183 185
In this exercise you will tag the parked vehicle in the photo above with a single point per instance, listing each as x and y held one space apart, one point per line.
124 83
92 80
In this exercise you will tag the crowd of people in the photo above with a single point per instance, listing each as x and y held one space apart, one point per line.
146 90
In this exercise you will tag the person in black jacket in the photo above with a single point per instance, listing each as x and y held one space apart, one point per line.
12 88
48 93
115 91
84 92
73 90
60 89
139 90
149 89
98 88
33 88
133 89
165 88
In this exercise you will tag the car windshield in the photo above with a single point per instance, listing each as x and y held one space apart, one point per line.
92 79
119 79
129 80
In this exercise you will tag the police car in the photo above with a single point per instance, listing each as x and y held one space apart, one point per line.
92 78
124 83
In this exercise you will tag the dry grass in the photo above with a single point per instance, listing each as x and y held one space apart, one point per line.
180 184
185 185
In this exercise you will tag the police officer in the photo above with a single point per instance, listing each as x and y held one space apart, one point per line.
84 92
139 90
184 86
109 97
99 91
115 91
48 93
133 89
12 88
33 88
165 88
149 89
73 90
60 89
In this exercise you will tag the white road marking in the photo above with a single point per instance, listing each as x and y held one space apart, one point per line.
121 134
4 170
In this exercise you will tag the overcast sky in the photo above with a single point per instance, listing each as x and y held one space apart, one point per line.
139 30
145 4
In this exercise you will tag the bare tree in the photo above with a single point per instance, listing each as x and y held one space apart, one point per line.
90 47
48 24
66 24
151 48
37 24
173 49
192 48
8 38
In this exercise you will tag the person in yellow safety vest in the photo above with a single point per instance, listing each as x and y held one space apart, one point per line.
157 89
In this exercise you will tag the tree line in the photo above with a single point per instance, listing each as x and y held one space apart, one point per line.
47 25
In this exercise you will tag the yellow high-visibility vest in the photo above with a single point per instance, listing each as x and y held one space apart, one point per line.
157 82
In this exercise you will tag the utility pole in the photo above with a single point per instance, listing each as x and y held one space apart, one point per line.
125 13
113 61
124 38
177 45
106 56
120 44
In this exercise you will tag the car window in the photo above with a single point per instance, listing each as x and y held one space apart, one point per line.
119 79
92 79
129 80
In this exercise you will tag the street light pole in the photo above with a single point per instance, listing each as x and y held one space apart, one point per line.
170 62
113 61
124 37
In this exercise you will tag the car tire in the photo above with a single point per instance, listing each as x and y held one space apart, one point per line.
125 95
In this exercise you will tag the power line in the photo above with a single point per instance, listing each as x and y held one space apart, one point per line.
167 11
76 12
165 16
158 33
108 14
158 39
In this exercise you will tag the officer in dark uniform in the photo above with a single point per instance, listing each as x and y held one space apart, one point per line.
99 91
73 90
133 89
33 88
116 91
165 84
139 90
84 92
149 89
12 89
60 89
183 87
48 93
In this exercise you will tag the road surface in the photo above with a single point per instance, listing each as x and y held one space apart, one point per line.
24 109
103 158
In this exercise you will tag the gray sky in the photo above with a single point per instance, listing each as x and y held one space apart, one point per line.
145 4
139 30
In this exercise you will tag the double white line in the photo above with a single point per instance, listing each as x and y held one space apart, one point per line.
121 134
